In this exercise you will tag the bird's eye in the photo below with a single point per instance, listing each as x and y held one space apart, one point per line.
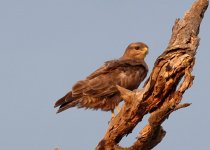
137 48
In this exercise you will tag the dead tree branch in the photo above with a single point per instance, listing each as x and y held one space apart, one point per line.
163 90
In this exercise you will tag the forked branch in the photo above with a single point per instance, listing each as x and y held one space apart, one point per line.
163 91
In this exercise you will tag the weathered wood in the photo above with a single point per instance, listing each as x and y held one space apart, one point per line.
162 93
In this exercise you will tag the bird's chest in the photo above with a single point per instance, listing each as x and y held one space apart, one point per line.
129 78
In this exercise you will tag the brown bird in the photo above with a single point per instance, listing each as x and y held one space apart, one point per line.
98 90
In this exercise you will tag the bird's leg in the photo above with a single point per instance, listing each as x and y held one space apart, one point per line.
113 115
118 108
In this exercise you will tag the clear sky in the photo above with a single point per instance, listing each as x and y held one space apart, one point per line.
47 45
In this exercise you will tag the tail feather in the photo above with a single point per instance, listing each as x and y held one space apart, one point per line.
60 101
67 105
65 102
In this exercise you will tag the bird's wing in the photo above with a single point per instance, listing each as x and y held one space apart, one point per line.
106 68
113 64
102 82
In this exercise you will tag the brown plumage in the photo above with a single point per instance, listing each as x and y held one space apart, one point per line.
98 90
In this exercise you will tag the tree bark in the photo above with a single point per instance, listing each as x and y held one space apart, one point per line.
163 91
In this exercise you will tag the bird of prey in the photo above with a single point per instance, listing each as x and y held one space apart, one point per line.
99 91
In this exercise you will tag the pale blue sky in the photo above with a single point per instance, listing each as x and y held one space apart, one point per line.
47 45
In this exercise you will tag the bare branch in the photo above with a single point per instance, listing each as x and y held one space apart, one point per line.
161 95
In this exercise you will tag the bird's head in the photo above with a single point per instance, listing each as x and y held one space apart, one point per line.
136 50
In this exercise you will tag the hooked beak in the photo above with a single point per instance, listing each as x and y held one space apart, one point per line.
145 50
